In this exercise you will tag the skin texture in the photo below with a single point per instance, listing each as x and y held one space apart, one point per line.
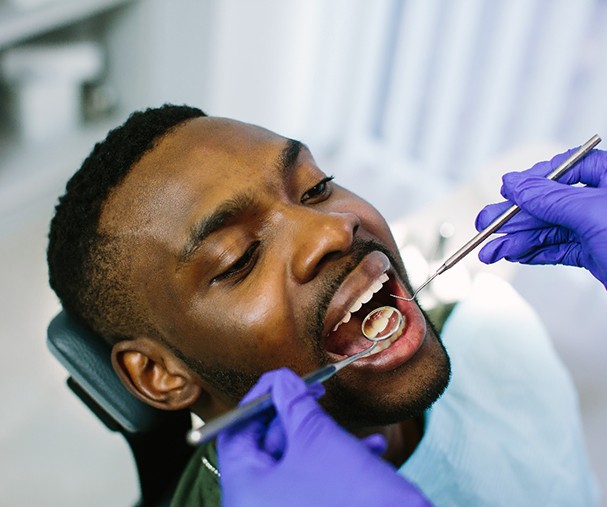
264 289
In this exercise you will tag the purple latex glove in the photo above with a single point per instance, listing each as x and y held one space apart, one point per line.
299 456
559 224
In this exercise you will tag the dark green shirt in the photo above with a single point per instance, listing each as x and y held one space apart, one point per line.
199 483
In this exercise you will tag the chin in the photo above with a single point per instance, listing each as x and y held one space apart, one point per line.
410 393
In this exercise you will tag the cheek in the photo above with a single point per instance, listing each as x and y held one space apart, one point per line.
375 223
257 333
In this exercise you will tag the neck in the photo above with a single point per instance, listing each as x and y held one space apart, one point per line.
402 439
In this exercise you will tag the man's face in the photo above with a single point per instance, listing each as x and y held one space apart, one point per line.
247 256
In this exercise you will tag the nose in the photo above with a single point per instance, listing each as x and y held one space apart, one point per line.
319 238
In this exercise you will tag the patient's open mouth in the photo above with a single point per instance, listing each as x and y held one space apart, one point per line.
346 337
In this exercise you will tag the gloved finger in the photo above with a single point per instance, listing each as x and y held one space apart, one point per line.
290 389
569 255
591 170
489 213
286 375
566 255
252 429
520 221
248 442
317 390
554 202
265 427
274 442
255 428
545 167
495 250
240 447
546 246
300 413
376 443
510 247
263 385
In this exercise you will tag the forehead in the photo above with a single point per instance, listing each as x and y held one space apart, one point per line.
197 162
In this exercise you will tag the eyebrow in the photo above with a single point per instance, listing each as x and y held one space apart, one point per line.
227 211
235 206
288 156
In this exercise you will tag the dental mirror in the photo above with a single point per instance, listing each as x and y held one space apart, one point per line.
381 323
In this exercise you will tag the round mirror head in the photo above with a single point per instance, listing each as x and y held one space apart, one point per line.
382 323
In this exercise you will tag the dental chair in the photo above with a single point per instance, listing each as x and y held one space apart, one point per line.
156 437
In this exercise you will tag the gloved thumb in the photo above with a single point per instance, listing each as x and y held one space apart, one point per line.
297 408
547 200
275 441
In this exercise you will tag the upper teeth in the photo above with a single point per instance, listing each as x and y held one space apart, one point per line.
364 298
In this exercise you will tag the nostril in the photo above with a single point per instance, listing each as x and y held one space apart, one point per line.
327 259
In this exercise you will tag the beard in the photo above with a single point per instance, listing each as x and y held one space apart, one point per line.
352 408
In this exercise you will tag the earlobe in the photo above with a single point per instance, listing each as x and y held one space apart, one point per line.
153 374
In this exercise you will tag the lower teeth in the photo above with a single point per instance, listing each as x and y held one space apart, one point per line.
381 346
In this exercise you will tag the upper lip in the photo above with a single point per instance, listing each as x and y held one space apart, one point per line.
356 283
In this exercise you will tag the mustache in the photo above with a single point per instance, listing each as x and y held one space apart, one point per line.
360 249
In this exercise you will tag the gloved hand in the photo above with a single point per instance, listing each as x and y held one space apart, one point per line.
299 456
558 224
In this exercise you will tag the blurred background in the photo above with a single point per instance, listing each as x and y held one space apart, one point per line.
419 106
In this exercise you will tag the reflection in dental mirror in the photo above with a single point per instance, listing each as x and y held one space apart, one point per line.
382 323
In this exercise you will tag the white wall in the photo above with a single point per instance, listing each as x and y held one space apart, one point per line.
421 93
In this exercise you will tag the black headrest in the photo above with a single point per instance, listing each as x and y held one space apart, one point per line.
86 356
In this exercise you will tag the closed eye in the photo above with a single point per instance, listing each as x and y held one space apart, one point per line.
242 266
318 192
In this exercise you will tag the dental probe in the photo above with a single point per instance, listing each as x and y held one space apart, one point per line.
580 153
211 429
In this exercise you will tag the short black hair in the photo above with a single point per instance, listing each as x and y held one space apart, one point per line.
85 264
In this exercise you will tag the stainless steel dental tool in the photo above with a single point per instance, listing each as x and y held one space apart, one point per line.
390 321
580 153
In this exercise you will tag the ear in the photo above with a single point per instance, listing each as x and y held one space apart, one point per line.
153 374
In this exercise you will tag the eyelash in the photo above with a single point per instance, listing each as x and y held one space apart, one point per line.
242 265
320 190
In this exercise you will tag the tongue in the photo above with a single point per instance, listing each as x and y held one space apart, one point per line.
347 340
